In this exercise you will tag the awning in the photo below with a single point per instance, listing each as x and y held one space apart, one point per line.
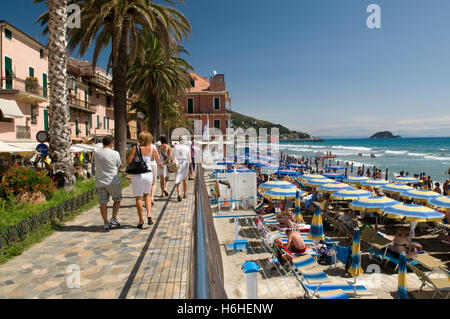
10 109
14 148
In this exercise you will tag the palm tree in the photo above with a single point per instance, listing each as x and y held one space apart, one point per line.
155 79
117 23
59 129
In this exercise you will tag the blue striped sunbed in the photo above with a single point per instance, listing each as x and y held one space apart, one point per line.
349 289
391 257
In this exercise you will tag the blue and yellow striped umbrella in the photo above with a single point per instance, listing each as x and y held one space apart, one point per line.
402 281
333 175
406 180
280 194
276 184
355 179
288 172
395 188
351 194
420 195
413 213
297 204
332 188
373 204
441 203
306 177
355 270
374 182
296 165
316 231
318 182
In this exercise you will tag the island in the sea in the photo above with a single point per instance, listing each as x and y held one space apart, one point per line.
385 134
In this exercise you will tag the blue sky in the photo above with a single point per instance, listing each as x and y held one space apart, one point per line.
315 66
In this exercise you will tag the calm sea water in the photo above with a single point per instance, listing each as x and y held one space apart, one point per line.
413 155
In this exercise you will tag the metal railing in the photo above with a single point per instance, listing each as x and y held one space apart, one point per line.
21 85
80 104
205 267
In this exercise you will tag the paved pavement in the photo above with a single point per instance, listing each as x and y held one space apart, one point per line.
124 263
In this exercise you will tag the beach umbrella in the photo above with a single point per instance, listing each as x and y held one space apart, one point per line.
280 194
312 176
395 188
413 213
288 172
373 204
318 182
441 203
351 194
374 182
333 175
240 170
420 195
276 184
355 269
387 174
296 165
406 180
316 231
356 180
336 187
402 281
297 203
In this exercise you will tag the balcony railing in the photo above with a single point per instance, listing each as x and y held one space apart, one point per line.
80 105
23 86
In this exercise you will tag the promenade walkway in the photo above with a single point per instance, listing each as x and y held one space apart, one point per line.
124 263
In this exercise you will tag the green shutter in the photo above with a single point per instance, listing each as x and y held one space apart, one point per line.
31 72
90 121
44 84
46 120
87 127
107 121
104 122
76 127
98 121
85 99
8 34
8 73
41 53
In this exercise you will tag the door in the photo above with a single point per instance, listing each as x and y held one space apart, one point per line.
8 73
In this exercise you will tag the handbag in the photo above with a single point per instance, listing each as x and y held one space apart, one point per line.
173 165
138 167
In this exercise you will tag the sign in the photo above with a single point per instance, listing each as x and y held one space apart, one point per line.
42 137
42 148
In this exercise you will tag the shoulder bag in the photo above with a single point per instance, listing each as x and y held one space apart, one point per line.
138 167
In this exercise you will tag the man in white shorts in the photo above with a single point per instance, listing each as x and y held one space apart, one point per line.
107 180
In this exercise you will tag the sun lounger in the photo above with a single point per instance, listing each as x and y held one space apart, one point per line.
429 261
392 257
440 285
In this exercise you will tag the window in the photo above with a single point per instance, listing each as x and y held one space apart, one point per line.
98 121
190 109
217 103
41 53
90 121
77 131
33 114
217 124
86 127
90 90
8 34
107 123
3 119
104 122
108 101
31 72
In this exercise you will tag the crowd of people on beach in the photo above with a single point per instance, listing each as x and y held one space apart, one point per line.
157 158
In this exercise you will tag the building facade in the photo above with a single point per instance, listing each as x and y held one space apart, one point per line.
207 101
24 92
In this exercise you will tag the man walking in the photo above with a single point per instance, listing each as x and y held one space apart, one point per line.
107 181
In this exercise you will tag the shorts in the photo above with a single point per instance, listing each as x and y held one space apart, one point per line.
298 251
113 190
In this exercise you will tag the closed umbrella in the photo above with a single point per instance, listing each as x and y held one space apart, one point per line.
355 270
316 231
297 203
402 280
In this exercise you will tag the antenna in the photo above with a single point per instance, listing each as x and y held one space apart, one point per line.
215 72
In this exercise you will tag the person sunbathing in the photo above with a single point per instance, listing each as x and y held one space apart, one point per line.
295 243
402 244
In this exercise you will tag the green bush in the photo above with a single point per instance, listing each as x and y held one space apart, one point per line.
19 179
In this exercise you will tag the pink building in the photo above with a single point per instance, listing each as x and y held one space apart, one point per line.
206 100
24 92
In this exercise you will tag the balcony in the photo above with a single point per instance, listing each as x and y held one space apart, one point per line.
27 91
80 105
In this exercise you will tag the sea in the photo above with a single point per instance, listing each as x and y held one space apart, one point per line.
413 155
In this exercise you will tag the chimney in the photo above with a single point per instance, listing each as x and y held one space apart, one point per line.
217 83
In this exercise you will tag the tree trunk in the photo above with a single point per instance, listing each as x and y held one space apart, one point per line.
120 97
155 117
59 114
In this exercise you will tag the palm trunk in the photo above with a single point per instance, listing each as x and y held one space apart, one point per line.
120 97
59 114
155 117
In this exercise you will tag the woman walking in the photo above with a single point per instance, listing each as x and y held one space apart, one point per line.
141 184
165 153
182 152
154 165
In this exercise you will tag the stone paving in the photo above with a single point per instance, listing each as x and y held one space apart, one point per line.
124 263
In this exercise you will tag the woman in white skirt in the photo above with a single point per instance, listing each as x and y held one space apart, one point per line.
156 162
182 152
141 184
165 154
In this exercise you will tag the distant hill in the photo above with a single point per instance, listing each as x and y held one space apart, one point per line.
245 122
385 134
